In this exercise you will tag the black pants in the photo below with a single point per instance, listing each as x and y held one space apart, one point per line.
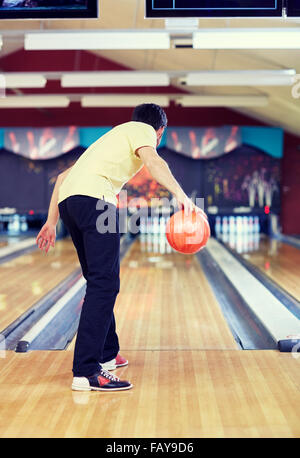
99 256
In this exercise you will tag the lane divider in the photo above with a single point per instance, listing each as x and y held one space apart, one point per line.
16 329
24 344
247 330
277 319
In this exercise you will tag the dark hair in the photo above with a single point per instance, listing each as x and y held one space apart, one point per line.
150 113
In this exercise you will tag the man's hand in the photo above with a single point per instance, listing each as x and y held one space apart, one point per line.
186 204
46 237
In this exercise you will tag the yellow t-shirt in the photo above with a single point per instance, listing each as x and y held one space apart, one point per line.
106 165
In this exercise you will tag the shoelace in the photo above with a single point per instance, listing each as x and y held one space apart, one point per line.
108 375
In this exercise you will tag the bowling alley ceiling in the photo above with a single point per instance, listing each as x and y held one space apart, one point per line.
282 110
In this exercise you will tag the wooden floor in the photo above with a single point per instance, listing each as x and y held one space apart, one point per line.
200 393
280 262
27 278
190 379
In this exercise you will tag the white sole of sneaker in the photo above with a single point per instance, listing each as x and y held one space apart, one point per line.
108 368
112 367
92 388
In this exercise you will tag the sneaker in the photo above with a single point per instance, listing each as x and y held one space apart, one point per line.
101 381
119 361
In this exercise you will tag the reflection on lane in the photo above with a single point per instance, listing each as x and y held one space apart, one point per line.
277 260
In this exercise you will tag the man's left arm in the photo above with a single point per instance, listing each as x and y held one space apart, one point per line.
47 235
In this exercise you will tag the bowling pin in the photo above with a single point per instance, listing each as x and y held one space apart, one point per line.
162 225
9 225
225 225
239 225
148 225
256 225
232 225
251 224
155 225
143 227
250 241
15 229
24 225
218 226
245 224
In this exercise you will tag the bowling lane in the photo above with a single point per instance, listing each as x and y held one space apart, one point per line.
278 260
27 278
166 302
6 240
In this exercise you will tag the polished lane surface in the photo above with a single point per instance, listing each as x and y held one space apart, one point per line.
27 278
274 258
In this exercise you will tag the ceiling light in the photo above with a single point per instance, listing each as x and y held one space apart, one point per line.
222 101
24 80
241 78
97 40
237 38
115 79
34 101
128 100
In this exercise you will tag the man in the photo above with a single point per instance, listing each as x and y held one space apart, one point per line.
94 181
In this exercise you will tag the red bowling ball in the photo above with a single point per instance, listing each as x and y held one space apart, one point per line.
187 233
